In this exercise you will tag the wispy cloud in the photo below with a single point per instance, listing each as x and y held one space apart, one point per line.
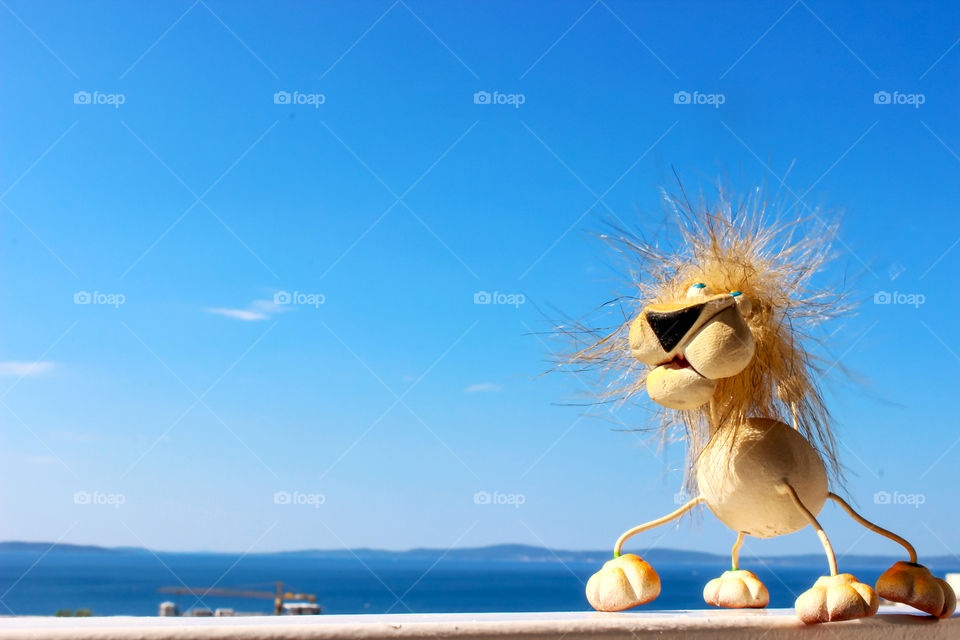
483 387
246 315
24 369
255 311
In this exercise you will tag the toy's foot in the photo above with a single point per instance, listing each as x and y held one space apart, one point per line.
622 583
913 584
834 598
738 589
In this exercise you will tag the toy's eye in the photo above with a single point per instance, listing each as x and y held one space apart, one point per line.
743 303
699 290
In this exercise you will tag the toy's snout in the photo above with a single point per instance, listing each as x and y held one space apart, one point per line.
692 344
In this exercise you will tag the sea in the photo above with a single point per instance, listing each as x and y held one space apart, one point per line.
108 584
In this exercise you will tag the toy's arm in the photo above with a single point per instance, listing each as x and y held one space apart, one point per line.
654 523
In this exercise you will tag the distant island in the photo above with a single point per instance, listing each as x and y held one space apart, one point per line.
492 553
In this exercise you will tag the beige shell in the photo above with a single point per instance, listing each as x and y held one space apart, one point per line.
738 477
624 582
835 598
913 584
737 589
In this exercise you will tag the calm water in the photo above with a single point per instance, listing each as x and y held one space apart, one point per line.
113 584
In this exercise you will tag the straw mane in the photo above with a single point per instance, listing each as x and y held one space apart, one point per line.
731 245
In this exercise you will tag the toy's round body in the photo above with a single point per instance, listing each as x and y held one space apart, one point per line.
741 478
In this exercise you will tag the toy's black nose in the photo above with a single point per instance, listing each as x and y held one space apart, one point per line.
670 327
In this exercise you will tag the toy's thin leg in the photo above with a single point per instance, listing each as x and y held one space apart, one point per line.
827 547
654 523
899 582
736 588
735 554
627 580
838 596
876 529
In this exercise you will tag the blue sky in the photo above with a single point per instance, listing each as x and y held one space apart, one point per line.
182 397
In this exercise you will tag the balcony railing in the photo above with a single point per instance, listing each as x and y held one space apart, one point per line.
771 624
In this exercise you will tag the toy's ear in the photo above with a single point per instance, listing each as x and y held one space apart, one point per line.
699 290
744 304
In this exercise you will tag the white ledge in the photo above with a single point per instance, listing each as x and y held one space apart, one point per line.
892 623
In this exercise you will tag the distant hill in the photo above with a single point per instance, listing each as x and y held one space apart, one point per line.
507 553
51 547
498 553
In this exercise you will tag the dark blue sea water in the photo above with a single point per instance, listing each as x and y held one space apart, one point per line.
126 584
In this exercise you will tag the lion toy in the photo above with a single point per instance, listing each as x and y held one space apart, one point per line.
721 339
